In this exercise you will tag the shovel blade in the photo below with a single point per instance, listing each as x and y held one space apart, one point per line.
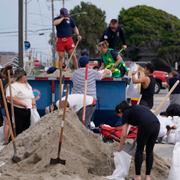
16 159
57 161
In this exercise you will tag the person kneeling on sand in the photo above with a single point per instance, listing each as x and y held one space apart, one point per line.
148 130
75 102
166 125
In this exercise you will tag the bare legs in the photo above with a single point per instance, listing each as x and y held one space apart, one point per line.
61 57
75 63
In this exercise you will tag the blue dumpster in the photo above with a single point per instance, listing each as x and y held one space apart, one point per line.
109 94
47 91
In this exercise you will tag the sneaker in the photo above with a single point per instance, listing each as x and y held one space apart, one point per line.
92 125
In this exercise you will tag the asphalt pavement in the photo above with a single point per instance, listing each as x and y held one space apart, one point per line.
159 97
163 150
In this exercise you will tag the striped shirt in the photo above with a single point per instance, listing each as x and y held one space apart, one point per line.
78 79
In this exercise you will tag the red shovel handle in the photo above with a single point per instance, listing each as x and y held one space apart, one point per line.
86 73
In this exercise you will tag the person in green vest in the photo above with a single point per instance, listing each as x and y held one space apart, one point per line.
112 60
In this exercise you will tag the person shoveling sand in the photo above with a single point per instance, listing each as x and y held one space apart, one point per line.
87 158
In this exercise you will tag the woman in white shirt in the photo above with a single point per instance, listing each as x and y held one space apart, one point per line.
23 100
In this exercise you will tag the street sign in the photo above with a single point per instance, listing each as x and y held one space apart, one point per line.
27 45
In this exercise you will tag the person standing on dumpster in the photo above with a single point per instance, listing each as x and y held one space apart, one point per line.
148 130
65 27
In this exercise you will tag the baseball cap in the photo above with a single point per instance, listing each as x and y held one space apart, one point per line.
64 12
83 60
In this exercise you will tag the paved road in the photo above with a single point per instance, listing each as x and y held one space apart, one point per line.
159 97
163 150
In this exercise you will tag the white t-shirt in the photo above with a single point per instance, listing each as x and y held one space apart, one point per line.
76 101
22 91
164 121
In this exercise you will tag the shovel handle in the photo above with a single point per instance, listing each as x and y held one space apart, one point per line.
62 122
85 93
12 103
6 110
157 110
73 51
60 82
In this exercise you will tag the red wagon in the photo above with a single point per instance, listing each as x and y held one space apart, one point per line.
114 133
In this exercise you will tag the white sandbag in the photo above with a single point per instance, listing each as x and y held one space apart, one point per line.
164 121
132 91
176 121
133 67
122 161
174 173
105 73
34 116
171 137
177 134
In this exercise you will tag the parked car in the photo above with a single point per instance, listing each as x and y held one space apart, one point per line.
161 80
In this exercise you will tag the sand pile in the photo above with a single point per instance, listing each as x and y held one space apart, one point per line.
68 74
87 158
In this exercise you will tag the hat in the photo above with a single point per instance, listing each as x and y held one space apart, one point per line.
83 60
113 21
4 71
51 70
64 12
19 73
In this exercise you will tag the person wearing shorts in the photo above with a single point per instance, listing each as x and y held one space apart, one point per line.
65 27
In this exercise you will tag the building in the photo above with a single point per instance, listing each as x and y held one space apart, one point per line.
6 57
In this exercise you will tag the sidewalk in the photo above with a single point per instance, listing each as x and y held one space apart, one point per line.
164 151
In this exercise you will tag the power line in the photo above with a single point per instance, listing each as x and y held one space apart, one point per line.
33 31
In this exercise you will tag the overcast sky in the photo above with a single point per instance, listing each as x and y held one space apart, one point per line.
39 17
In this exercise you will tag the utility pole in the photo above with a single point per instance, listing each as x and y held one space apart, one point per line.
63 3
53 33
20 32
26 20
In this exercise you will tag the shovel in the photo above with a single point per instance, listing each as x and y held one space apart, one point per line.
58 160
15 158
60 85
12 104
74 50
158 109
84 98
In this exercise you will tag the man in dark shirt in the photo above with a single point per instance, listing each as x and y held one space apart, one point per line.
65 27
148 130
114 35
147 85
